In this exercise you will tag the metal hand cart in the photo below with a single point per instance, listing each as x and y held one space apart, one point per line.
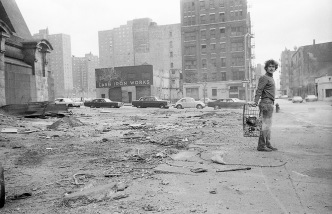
252 121
2 187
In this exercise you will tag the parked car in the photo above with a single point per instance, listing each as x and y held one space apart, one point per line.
227 103
103 103
189 102
206 100
297 99
68 102
283 97
311 98
151 101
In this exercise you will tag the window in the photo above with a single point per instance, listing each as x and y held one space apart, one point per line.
222 32
204 76
212 18
203 34
203 21
202 5
173 82
223 62
223 47
222 17
221 3
204 65
188 36
237 46
190 64
193 20
223 76
238 75
203 49
213 33
170 44
172 65
237 61
170 34
328 92
237 31
190 50
211 3
171 54
103 96
190 77
213 46
214 92
214 62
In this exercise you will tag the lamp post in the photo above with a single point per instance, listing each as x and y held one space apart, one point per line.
247 79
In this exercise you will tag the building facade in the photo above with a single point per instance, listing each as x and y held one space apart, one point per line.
60 62
285 71
309 63
84 81
143 42
216 49
324 88
24 62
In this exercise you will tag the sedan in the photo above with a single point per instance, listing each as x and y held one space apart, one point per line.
297 99
206 100
311 98
68 102
227 103
189 102
103 103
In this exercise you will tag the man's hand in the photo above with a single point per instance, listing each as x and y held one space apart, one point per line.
253 104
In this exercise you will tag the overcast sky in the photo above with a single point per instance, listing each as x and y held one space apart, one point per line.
276 23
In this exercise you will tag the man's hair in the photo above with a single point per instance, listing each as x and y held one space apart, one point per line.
270 62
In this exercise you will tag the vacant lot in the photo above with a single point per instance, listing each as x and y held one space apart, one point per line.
132 160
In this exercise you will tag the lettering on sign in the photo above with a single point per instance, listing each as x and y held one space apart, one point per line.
123 83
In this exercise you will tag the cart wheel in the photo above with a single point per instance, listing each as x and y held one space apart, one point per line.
2 187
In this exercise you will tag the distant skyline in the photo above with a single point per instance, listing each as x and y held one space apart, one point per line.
277 24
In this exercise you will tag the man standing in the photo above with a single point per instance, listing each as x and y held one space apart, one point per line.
266 91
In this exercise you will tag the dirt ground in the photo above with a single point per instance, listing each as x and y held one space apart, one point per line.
150 160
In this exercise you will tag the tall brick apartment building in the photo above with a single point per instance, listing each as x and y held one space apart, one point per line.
216 48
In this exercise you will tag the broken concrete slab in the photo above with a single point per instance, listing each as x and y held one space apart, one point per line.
9 130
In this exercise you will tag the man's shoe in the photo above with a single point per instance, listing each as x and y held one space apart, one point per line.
264 149
272 148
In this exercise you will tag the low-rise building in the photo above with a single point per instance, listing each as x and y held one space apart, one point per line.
24 72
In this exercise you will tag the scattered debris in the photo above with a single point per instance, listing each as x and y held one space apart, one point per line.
75 179
214 191
70 121
236 169
21 196
198 170
218 158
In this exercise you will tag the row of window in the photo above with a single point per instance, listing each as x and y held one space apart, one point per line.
213 18
236 60
214 33
191 48
190 6
214 76
191 20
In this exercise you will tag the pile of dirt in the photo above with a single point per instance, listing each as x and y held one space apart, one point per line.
66 122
